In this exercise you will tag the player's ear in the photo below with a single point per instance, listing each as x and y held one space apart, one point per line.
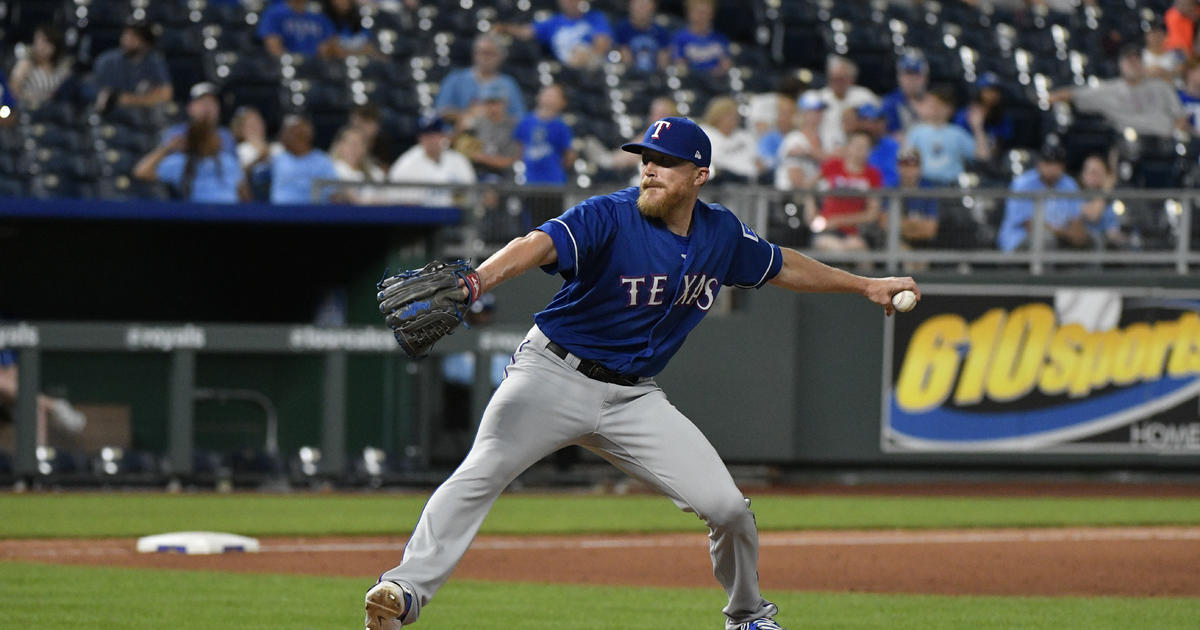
701 175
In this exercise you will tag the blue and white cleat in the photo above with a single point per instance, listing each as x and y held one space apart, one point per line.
387 604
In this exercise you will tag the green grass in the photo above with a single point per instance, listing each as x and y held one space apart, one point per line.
44 596
139 513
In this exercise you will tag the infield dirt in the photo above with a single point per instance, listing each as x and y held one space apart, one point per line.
1149 561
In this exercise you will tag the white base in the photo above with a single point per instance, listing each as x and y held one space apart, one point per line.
196 543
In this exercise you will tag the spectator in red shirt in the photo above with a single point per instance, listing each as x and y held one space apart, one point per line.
836 228
1181 27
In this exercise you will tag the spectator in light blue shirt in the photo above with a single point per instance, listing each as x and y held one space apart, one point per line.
195 167
203 106
295 169
697 45
289 27
461 88
946 147
1064 226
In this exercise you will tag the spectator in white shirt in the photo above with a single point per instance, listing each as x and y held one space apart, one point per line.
734 148
354 164
840 95
1161 62
430 161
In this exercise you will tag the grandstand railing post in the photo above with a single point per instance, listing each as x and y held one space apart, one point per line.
333 413
762 213
893 233
29 362
181 394
1037 237
1183 241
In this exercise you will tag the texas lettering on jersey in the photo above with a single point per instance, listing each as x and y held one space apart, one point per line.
697 289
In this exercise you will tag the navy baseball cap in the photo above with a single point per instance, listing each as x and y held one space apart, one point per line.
987 80
678 137
432 124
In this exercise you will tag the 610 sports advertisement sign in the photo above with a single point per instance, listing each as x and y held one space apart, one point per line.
1044 369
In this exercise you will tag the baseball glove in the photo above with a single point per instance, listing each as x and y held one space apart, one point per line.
424 305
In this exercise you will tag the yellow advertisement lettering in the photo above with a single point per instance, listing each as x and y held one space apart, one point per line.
983 335
931 364
1185 342
1064 359
1156 357
1020 353
1131 354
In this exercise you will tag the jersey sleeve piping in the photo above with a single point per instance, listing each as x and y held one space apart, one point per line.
766 272
574 243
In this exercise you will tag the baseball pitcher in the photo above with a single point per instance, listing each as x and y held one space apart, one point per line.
640 269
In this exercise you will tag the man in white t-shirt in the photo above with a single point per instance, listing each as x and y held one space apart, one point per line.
430 161
840 94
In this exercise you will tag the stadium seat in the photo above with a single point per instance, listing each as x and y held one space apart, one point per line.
797 47
180 41
170 15
10 164
114 162
238 69
58 462
108 136
254 462
53 186
223 13
53 136
209 463
12 186
144 119
53 112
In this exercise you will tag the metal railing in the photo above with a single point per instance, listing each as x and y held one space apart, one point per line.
1160 222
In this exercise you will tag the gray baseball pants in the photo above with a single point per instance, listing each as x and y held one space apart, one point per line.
545 404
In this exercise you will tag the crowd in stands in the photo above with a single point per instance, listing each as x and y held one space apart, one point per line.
227 101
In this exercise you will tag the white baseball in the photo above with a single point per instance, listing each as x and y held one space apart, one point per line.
904 301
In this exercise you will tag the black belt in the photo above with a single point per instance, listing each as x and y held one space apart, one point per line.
593 370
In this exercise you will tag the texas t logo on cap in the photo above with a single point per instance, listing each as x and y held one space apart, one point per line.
678 137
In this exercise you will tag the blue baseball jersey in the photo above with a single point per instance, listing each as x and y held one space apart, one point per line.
562 34
701 52
643 44
633 289
545 143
